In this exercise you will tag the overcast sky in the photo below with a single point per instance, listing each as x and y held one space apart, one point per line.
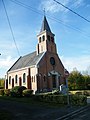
72 34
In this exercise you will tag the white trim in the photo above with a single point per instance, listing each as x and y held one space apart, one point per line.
53 72
21 69
40 59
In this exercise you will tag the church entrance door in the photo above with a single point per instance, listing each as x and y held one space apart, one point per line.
54 81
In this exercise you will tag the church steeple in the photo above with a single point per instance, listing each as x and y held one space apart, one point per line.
45 25
46 39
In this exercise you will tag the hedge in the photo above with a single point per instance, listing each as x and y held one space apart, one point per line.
7 92
78 99
2 92
59 99
62 99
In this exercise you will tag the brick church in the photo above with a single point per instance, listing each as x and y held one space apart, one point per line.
41 70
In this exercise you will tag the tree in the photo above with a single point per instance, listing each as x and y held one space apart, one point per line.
76 80
1 83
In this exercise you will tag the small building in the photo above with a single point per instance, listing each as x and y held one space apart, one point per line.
41 70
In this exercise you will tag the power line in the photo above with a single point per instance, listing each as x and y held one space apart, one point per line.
72 11
49 16
10 27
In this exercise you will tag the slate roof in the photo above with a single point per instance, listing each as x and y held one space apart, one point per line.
45 25
25 61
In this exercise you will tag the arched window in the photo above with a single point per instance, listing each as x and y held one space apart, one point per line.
48 37
9 79
34 78
39 39
43 38
16 78
24 78
52 39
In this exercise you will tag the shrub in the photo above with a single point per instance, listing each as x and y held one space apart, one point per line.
17 91
7 92
27 92
1 87
78 100
2 92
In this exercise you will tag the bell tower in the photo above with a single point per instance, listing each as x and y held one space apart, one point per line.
45 38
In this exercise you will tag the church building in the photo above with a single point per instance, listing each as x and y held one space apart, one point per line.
41 70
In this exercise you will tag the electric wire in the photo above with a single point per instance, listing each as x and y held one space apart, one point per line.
49 16
72 11
10 27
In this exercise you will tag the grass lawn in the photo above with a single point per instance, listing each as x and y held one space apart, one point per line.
5 115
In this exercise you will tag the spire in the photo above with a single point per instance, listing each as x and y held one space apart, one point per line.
45 25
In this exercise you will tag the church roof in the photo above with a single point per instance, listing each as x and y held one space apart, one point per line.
26 61
45 25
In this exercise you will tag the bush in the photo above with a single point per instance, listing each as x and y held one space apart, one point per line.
7 92
78 100
2 92
17 91
27 92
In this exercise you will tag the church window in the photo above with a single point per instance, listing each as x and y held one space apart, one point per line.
43 38
9 79
16 78
24 78
48 37
34 78
52 39
40 40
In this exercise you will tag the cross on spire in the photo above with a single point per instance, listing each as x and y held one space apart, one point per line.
44 11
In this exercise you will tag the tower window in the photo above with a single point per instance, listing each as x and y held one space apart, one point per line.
52 39
39 39
48 37
43 38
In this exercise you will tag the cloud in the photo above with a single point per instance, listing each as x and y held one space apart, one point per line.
53 7
5 64
78 3
81 63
